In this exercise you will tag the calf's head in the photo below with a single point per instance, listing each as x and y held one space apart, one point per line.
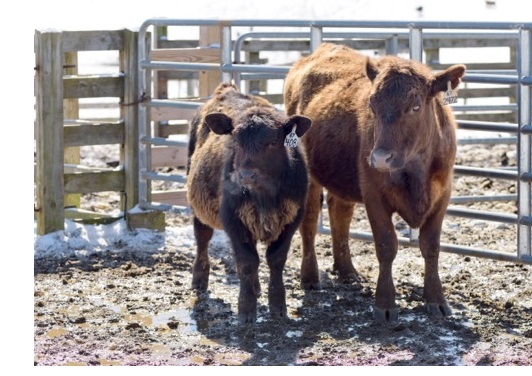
402 102
258 135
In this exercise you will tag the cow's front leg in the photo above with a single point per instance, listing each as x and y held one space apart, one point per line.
201 267
276 255
429 244
247 264
386 244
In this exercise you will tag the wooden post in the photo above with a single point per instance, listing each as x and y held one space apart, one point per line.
128 111
71 111
208 80
49 132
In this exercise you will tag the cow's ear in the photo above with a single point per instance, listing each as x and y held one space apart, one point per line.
302 124
219 123
371 69
453 74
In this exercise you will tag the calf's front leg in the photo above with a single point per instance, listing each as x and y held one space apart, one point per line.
429 244
276 256
386 245
247 264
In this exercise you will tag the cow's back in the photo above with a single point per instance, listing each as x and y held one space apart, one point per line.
330 87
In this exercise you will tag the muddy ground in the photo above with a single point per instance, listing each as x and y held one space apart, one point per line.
124 307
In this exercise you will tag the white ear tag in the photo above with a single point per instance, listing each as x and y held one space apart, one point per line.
451 96
291 138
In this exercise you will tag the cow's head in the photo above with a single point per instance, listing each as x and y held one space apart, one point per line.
405 117
260 155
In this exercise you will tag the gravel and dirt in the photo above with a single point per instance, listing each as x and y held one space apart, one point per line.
124 307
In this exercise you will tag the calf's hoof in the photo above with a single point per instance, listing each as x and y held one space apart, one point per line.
438 310
278 311
200 281
310 283
247 312
385 314
346 274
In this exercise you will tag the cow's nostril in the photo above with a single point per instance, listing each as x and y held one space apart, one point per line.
248 176
390 157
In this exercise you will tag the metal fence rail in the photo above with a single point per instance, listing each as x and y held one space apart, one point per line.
231 68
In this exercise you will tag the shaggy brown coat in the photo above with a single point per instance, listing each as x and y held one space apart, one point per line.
244 180
381 136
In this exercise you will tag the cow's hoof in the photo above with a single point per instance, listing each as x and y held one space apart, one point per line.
247 311
278 311
439 310
385 315
246 318
310 284
200 284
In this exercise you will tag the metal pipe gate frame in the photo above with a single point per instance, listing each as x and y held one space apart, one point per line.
237 72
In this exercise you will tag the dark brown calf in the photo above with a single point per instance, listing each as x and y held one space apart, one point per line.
382 136
244 180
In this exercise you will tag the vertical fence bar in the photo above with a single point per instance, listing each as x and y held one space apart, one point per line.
524 234
144 89
416 53
226 49
49 132
392 45
316 36
416 44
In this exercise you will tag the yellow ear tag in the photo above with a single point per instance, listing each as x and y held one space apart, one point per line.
451 96
291 139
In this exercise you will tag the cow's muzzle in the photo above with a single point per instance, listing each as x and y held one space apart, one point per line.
386 160
247 177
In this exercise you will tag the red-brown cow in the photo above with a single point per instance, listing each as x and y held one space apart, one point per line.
382 136
242 178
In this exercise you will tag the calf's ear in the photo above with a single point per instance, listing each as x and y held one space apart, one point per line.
219 123
371 69
302 124
451 74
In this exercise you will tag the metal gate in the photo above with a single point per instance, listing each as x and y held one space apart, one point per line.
315 32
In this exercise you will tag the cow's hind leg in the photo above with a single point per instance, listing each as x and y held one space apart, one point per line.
201 267
429 244
310 278
340 216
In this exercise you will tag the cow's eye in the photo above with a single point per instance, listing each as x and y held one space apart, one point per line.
272 144
416 108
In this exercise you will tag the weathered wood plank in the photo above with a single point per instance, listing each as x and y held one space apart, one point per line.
151 220
111 85
49 132
171 113
168 156
170 129
208 80
187 55
93 40
88 182
71 111
94 134
177 197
